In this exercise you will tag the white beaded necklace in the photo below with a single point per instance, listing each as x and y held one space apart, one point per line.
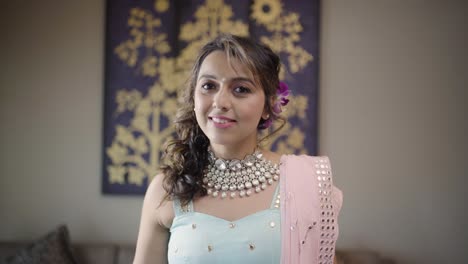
253 173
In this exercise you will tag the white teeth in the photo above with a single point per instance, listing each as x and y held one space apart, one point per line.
219 120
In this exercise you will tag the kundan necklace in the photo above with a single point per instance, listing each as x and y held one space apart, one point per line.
252 174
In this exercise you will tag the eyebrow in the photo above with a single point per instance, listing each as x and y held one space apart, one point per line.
245 79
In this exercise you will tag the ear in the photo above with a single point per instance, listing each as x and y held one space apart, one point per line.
266 113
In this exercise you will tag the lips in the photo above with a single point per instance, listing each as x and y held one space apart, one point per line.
222 121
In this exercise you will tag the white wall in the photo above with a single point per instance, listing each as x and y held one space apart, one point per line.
51 124
394 96
393 88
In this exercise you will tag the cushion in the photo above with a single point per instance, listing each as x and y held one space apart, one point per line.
52 248
126 254
93 253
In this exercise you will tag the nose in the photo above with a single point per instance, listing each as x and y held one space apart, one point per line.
222 99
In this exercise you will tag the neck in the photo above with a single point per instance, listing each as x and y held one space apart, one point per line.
232 152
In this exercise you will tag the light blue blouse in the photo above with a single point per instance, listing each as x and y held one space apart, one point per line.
202 238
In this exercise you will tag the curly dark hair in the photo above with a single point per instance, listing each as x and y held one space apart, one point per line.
186 156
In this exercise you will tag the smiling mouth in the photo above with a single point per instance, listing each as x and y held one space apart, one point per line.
221 120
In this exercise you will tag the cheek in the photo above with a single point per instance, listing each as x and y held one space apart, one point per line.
200 105
254 110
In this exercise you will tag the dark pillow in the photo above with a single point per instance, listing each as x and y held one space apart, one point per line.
52 248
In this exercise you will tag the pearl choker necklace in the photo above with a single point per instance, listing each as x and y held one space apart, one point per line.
253 173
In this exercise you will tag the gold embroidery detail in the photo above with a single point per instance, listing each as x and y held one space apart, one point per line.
251 246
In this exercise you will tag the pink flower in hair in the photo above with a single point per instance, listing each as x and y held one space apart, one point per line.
281 97
282 94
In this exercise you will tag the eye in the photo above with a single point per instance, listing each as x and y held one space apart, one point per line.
208 86
242 90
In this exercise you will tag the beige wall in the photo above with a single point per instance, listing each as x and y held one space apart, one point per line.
393 95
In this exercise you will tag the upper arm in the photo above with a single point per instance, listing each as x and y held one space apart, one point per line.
153 236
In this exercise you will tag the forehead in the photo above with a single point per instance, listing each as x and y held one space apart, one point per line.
217 63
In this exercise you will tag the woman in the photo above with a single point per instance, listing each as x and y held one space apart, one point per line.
220 197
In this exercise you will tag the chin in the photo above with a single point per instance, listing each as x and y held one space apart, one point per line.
222 141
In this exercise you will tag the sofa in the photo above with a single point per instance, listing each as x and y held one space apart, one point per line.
83 253
56 247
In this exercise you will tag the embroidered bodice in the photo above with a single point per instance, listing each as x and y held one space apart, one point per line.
203 238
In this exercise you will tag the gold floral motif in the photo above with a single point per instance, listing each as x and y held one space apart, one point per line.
298 59
211 19
172 75
124 136
161 5
149 66
298 109
116 174
157 93
285 28
144 32
144 108
266 11
127 100
169 107
135 175
141 146
295 138
117 153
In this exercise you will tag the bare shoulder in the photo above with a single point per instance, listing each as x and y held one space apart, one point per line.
155 198
155 221
155 189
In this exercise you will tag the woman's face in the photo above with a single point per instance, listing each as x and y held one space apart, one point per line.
228 102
